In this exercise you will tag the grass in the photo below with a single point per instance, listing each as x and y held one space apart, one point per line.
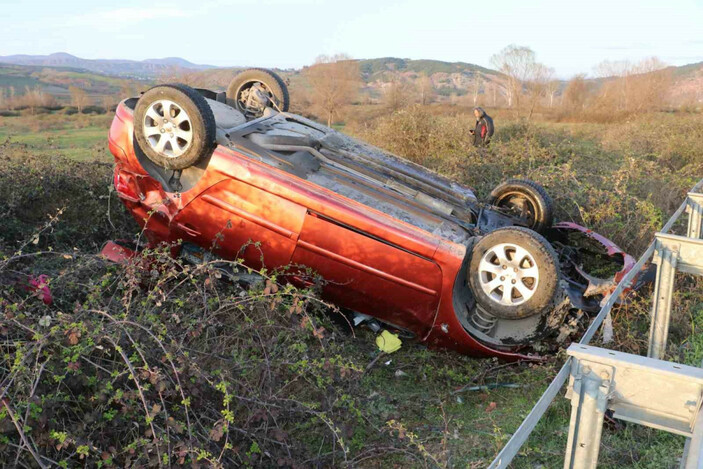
409 408
77 137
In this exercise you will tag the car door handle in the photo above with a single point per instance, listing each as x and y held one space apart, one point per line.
188 230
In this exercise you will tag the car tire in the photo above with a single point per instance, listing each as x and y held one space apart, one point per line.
272 83
525 198
514 273
180 139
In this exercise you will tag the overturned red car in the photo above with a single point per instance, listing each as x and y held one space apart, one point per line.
235 175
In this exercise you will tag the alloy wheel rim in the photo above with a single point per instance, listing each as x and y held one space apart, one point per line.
508 274
168 128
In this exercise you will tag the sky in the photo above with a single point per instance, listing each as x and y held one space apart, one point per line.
570 36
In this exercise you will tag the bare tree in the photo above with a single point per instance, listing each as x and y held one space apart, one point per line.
614 92
650 84
426 89
516 63
632 87
396 93
335 83
575 94
492 91
108 102
79 98
476 82
551 91
34 98
539 77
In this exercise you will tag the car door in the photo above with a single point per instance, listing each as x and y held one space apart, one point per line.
239 220
370 275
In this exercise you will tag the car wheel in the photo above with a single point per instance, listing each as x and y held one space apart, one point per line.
174 126
254 89
514 273
526 200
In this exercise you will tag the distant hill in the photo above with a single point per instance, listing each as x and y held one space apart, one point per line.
146 69
15 79
373 67
54 73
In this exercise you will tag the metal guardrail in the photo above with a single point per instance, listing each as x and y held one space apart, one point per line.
693 204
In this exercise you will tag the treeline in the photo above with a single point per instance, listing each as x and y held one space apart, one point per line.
332 89
35 100
30 98
624 89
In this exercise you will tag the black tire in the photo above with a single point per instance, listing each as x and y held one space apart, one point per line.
526 199
274 84
542 290
201 123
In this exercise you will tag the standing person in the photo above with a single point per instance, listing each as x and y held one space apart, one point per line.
484 128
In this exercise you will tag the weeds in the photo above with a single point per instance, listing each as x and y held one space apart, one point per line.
161 363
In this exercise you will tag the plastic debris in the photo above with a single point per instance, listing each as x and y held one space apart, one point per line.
387 342
40 286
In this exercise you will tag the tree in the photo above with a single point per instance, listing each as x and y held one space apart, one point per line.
492 91
629 87
476 82
396 93
539 77
79 98
650 84
335 84
551 91
575 94
426 89
516 63
108 102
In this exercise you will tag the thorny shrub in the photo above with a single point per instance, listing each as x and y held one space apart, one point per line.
622 180
159 363
137 366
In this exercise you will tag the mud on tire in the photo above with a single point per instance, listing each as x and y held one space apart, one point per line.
525 197
174 126
514 273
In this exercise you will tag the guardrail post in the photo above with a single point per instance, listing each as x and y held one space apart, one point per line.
695 215
666 260
693 454
589 400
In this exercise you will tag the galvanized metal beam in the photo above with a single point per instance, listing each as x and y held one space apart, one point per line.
666 260
589 391
693 453
511 448
695 215
672 253
650 392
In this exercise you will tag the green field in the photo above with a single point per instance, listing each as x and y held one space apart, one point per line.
298 396
80 138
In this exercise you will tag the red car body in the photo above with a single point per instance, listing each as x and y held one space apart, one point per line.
400 273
